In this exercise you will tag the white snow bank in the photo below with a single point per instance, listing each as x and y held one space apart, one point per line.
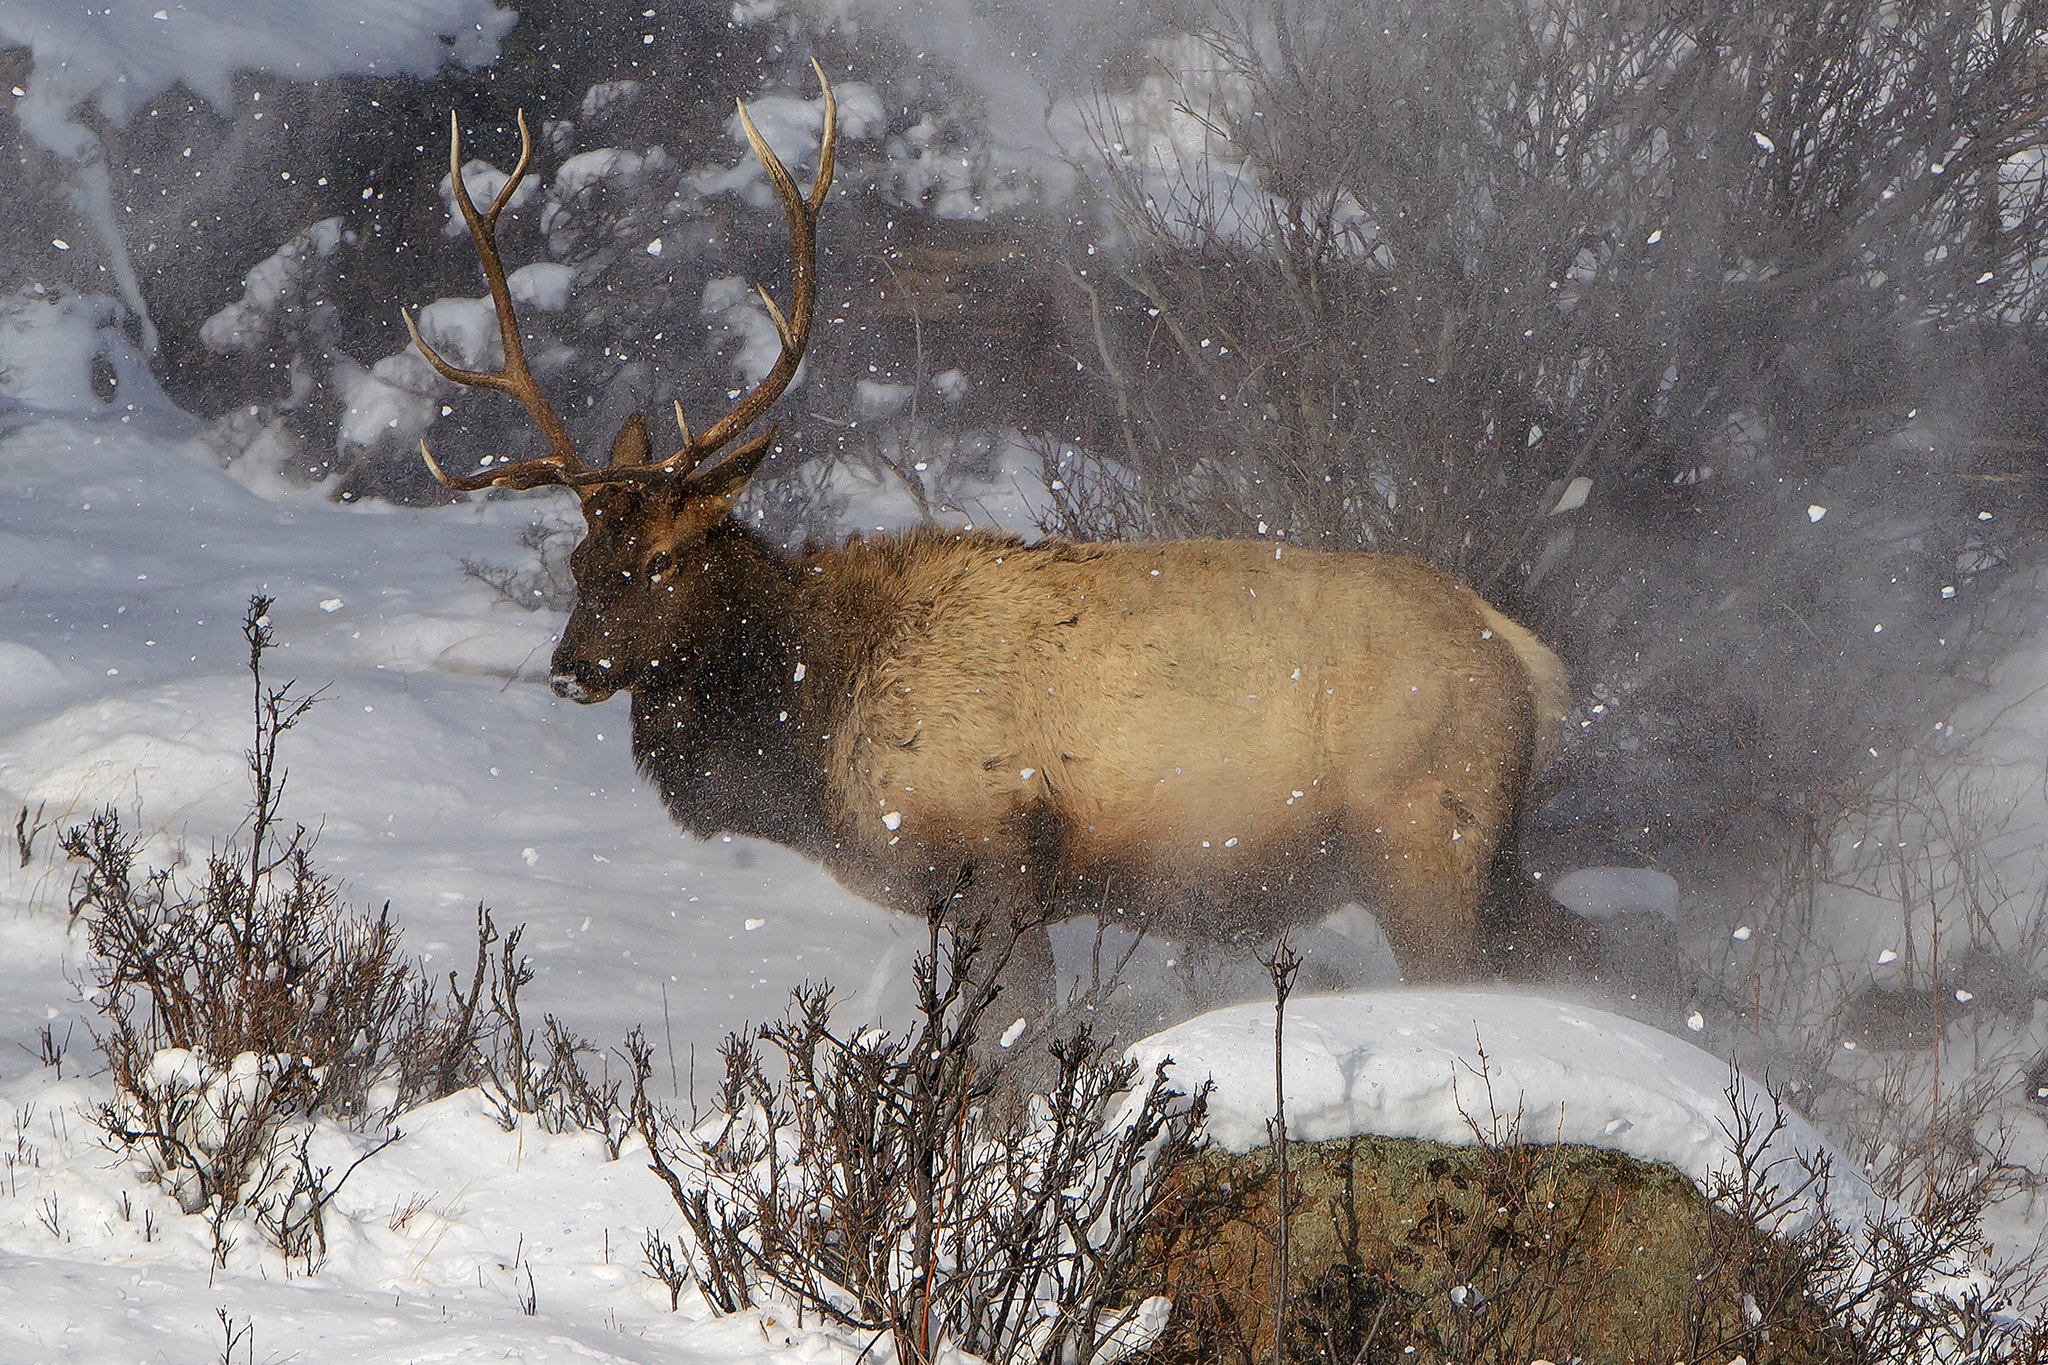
500 645
30 674
393 401
462 331
170 749
48 345
543 285
730 303
1407 1064
245 324
435 1249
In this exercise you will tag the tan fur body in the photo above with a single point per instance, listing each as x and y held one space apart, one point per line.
1213 738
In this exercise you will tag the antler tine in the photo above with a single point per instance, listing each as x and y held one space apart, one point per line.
828 140
662 475
795 329
505 191
539 472
514 380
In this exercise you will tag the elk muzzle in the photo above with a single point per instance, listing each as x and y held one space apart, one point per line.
577 678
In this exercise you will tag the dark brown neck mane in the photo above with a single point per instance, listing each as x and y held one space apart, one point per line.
734 742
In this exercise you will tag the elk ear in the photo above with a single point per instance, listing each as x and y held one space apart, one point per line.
727 479
630 446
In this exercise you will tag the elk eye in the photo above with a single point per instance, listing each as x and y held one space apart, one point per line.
660 564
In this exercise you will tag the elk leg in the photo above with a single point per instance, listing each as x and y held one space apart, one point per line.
1014 954
1030 991
1426 866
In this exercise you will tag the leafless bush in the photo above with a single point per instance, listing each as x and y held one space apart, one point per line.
544 1074
26 833
1909 1042
574 1100
1431 263
1915 1280
1761 1257
877 1186
230 969
1910 1045
233 1334
523 1071
239 1008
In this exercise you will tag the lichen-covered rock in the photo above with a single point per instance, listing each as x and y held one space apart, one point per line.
1404 1250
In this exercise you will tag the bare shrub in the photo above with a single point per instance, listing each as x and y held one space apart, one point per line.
544 582
483 1039
231 1021
286 971
239 1008
26 833
1916 1279
1411 269
878 1187
543 1074
1911 1043
574 1100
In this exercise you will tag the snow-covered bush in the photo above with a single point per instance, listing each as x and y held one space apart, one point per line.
239 1009
882 1187
227 1140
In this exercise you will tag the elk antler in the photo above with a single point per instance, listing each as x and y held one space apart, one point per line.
795 330
561 464
514 379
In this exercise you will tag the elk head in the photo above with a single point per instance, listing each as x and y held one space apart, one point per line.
642 594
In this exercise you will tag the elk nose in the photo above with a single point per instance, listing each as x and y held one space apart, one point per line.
582 680
579 679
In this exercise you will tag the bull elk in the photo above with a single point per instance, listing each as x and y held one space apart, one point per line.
1213 738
